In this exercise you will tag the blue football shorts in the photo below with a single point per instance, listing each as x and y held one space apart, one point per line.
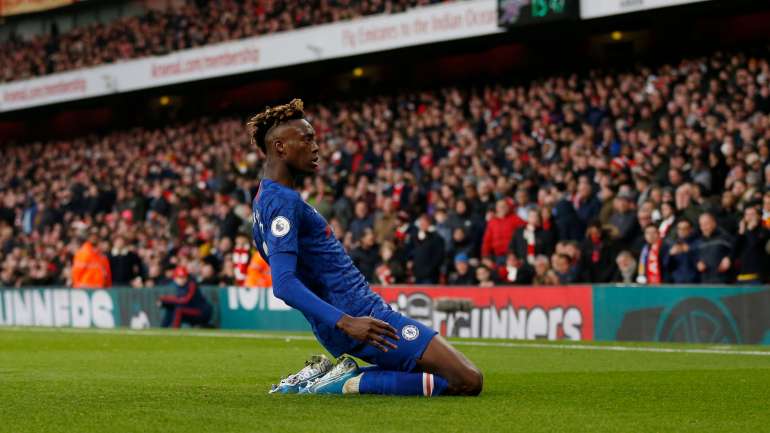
414 339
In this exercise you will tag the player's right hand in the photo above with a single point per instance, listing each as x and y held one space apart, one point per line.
370 330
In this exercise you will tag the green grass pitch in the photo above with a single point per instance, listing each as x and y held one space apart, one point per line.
85 381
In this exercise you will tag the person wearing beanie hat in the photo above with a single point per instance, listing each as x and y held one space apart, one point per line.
188 305
464 274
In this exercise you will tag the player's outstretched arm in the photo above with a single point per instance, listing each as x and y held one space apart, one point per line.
288 288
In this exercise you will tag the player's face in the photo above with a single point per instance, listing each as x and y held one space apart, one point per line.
301 147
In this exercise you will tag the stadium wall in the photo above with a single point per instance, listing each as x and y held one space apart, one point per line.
700 314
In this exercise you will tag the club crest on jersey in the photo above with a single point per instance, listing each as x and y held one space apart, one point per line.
410 332
280 226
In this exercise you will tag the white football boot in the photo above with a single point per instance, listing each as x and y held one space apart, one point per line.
334 382
316 367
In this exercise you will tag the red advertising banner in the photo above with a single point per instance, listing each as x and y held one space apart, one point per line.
553 313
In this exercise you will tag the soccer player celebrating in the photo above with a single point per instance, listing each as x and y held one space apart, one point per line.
312 273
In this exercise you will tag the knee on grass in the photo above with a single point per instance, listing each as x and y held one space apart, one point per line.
469 383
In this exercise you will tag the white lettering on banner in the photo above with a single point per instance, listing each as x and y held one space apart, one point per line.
275 304
43 91
573 321
81 309
6 313
201 64
254 299
61 308
423 25
22 307
490 322
537 324
248 299
42 307
555 317
232 298
602 8
57 307
101 309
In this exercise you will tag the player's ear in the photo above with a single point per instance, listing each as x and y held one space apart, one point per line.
279 147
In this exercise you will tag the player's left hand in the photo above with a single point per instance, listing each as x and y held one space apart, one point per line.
370 330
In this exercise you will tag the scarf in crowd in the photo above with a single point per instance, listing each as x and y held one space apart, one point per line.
665 226
529 236
649 264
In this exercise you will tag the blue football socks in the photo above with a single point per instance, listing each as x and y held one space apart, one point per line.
377 381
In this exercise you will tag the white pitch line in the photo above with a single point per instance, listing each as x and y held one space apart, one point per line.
287 337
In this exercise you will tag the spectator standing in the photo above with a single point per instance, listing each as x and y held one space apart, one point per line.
391 268
460 245
713 251
751 248
258 272
471 224
651 258
241 258
362 220
343 207
125 265
679 263
386 222
523 204
568 224
499 232
597 255
667 220
624 219
427 253
685 205
587 205
531 240
766 210
366 256
91 268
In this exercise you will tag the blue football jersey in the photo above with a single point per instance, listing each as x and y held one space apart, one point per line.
284 223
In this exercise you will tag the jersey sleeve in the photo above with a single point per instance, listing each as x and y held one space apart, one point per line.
280 225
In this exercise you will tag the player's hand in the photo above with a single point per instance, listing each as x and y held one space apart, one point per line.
370 330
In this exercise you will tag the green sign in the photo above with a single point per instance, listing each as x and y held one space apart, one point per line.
697 314
242 308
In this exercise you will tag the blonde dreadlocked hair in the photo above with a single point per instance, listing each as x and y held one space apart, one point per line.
272 116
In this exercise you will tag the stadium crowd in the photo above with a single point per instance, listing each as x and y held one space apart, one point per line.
660 175
188 24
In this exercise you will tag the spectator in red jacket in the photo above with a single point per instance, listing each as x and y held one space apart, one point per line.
499 232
